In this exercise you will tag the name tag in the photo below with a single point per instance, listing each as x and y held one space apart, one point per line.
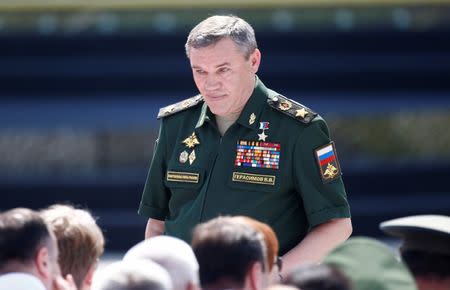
254 178
182 176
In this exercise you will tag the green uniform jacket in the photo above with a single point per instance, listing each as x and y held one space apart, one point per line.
266 166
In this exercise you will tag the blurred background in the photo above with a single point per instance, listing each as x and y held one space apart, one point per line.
81 83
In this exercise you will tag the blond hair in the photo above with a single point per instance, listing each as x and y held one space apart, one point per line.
80 240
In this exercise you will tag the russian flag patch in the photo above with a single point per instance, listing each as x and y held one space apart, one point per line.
328 162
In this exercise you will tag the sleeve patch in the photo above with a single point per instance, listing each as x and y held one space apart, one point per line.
328 163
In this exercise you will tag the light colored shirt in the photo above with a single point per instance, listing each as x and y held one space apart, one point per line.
20 281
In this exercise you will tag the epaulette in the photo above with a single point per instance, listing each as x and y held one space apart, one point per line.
180 106
291 108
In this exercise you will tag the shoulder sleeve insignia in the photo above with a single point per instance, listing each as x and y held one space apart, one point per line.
328 163
291 108
180 106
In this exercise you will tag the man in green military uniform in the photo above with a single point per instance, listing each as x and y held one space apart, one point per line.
240 148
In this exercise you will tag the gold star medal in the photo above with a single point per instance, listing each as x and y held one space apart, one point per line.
262 136
263 126
183 157
191 141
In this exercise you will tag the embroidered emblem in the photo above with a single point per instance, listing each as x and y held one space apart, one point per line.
257 154
192 157
328 162
254 178
191 141
252 119
180 106
182 176
263 126
183 157
285 105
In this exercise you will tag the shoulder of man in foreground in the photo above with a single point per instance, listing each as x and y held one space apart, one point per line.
180 106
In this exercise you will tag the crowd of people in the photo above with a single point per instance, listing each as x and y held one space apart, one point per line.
59 247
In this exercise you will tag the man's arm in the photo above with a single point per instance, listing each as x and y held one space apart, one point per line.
154 228
317 244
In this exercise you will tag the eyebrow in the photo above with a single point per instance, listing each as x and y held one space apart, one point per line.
217 66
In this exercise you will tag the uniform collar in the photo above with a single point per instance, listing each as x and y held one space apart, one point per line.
254 105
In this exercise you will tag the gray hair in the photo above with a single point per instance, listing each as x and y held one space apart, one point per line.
135 275
215 28
173 254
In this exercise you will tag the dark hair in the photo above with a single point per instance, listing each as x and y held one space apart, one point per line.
22 232
225 250
427 264
318 277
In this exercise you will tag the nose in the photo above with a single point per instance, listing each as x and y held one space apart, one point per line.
211 83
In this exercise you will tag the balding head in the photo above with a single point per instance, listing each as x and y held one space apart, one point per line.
173 254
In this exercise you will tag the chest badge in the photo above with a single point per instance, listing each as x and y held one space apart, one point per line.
192 157
252 119
263 126
191 141
183 157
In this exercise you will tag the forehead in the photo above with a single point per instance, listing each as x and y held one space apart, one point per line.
223 51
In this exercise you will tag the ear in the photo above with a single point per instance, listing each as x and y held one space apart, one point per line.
87 282
42 262
255 60
254 277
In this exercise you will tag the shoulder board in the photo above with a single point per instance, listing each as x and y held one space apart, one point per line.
180 106
291 108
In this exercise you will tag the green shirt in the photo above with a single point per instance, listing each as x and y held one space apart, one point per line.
265 166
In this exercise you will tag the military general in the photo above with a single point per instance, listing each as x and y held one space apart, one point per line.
240 148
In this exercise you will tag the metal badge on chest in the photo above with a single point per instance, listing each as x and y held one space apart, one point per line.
190 142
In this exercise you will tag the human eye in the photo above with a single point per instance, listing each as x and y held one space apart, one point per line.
224 69
199 71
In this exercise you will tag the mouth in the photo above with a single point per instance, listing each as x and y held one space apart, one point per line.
215 97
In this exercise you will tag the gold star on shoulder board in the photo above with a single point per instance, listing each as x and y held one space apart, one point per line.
301 113
191 141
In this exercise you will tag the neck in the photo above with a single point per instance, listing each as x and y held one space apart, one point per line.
16 266
224 122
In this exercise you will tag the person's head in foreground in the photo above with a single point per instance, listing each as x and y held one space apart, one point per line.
80 242
28 251
370 265
425 248
231 254
318 277
132 275
174 255
274 262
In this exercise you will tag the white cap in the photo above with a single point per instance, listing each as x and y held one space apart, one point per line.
429 233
